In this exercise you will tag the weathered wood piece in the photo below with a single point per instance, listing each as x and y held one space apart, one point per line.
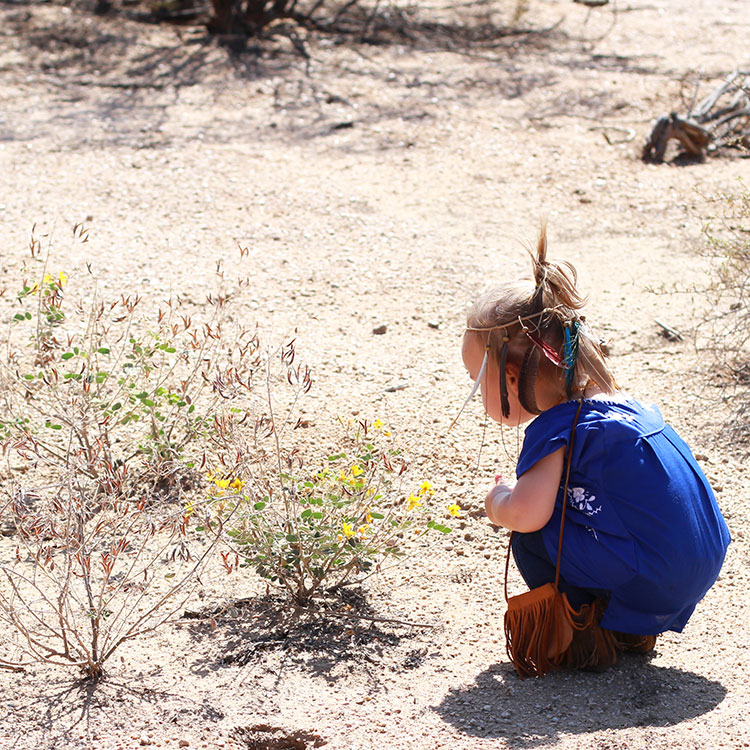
720 120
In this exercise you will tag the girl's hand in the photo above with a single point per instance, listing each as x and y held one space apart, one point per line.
496 498
529 504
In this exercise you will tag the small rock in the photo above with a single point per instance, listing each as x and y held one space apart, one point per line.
379 330
436 324
183 743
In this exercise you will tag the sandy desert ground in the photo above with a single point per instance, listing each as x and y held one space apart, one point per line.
385 185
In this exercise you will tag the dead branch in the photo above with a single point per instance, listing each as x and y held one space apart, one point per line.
721 120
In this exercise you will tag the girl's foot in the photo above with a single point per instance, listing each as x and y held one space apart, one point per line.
593 648
635 644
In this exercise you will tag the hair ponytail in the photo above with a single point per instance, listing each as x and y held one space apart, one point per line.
539 329
555 282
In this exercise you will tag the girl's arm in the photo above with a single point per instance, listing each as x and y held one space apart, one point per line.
529 505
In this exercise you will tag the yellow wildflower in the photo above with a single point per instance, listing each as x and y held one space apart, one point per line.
222 484
63 278
348 530
377 424
363 530
189 510
356 470
47 279
454 509
413 502
237 484
343 476
368 518
426 489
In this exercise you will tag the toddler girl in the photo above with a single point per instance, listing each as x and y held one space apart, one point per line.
644 539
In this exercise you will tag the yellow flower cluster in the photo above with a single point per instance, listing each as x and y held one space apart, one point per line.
350 477
223 484
426 490
378 425
347 529
60 281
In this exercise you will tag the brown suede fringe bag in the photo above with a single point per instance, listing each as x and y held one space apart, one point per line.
540 624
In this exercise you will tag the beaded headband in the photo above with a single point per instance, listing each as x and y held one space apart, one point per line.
529 368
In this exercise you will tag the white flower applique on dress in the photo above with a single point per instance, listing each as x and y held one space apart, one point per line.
581 499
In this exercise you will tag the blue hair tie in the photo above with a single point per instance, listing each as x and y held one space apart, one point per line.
570 353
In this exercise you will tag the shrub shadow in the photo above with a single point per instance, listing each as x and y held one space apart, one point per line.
115 80
118 81
62 706
532 713
341 630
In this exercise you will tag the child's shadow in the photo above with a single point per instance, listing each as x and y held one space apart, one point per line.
532 712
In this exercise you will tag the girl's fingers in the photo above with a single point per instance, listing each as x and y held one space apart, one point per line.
498 478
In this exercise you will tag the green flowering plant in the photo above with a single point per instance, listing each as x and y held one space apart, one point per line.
307 522
102 403
88 383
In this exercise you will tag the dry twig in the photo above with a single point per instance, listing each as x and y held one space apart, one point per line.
721 120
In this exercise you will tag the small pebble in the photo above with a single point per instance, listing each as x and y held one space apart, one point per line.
379 330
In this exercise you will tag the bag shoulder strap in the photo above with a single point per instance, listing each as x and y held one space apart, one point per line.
568 459
565 490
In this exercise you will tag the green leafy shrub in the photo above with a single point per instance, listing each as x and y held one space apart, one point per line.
101 407
309 522
88 385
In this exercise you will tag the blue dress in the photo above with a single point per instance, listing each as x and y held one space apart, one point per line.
642 521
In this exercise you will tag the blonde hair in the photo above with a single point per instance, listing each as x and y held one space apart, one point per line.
520 320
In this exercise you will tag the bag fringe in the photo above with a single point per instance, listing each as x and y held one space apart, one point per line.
538 630
543 632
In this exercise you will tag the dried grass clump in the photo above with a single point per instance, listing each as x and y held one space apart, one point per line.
727 327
